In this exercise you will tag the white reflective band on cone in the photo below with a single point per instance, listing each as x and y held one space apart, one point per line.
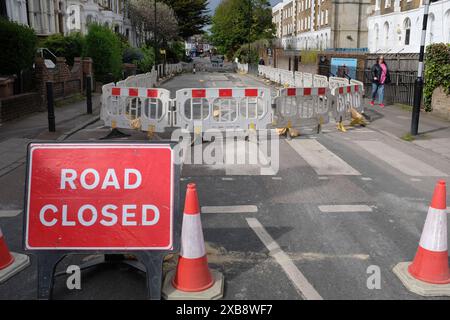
434 234
192 242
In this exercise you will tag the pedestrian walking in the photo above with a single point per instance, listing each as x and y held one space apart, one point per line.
380 77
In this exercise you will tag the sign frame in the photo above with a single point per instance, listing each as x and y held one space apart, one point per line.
152 260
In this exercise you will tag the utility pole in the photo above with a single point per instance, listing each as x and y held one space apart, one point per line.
418 84
155 42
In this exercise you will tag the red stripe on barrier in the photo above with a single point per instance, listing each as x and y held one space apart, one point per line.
356 88
291 92
307 91
341 90
152 93
198 93
251 92
115 91
322 91
132 92
349 89
225 93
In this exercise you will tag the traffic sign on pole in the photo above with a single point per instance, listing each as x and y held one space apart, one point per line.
107 197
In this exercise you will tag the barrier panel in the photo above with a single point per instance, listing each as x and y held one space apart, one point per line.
320 81
136 108
223 108
307 80
302 107
298 79
242 67
346 98
335 82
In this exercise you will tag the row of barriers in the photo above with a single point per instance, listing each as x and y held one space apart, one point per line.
197 110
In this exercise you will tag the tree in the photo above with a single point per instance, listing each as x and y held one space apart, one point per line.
142 16
18 47
104 47
237 22
192 16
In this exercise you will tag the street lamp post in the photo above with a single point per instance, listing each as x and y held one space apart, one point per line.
418 84
249 30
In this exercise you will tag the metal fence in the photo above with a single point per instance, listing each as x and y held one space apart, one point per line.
400 90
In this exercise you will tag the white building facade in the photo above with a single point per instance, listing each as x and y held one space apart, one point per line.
396 27
49 17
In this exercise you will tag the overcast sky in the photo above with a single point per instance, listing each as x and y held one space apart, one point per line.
213 4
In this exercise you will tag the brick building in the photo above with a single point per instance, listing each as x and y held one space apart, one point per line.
321 24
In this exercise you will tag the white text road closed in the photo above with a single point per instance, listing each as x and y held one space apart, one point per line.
100 196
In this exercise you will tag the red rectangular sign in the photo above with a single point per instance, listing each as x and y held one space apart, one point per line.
100 197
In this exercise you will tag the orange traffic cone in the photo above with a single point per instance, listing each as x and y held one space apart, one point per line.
192 278
431 261
6 258
10 262
192 273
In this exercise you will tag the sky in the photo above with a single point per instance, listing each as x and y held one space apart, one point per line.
214 3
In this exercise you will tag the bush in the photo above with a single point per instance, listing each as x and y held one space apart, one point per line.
18 47
437 71
68 47
147 62
176 52
132 55
104 47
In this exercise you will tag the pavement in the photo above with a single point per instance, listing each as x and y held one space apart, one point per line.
337 206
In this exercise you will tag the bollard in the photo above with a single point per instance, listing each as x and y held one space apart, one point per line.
50 107
89 94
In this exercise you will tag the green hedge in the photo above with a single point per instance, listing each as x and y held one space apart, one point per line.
18 47
104 47
68 47
437 71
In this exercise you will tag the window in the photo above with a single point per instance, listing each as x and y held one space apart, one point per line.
326 16
447 25
377 5
377 35
407 27
430 35
387 3
386 34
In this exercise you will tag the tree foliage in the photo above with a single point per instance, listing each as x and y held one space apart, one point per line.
237 22
437 71
104 47
68 47
142 16
18 47
192 16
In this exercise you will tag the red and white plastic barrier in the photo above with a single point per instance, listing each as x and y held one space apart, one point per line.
198 110
302 107
136 108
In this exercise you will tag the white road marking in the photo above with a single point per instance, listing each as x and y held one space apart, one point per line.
415 180
322 160
324 178
344 208
366 179
9 213
277 178
230 209
399 160
302 284
227 179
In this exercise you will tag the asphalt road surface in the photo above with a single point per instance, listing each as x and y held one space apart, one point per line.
337 205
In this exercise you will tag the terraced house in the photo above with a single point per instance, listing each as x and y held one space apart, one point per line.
322 24
395 26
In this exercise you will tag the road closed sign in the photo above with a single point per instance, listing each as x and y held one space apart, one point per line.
100 197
